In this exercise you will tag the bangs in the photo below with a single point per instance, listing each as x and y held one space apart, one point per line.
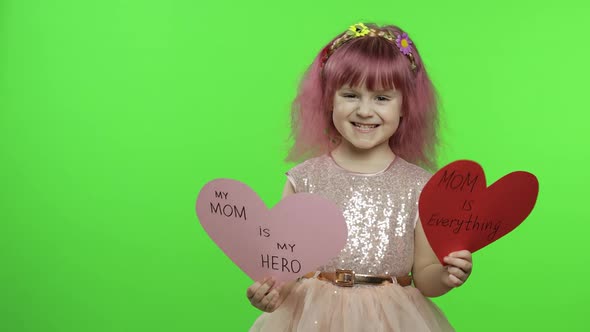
373 62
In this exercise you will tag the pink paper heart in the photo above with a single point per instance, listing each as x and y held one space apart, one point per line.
303 231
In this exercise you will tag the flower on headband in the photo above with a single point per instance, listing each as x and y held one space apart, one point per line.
358 30
404 43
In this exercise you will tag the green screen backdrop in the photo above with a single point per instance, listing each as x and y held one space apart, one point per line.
114 114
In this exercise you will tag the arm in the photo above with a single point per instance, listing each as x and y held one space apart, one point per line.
261 294
430 277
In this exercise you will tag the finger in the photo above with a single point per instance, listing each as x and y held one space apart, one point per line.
274 304
457 272
460 263
263 290
254 287
264 301
465 254
252 290
455 281
265 304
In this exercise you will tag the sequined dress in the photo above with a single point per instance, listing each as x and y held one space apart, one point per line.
380 210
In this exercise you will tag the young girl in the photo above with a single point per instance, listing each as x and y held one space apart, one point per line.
366 115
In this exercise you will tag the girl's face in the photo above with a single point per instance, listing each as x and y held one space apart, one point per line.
366 119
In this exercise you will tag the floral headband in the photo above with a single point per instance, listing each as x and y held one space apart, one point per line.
402 41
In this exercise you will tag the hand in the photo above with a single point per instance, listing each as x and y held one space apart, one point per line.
263 296
459 268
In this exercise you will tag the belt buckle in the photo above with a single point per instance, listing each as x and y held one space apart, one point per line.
344 278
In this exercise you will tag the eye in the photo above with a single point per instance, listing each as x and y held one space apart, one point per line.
348 95
382 98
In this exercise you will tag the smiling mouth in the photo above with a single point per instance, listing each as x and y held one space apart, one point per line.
364 126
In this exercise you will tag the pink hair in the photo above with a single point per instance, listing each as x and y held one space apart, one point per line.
379 64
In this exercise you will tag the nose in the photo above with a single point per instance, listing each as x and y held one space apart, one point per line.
365 110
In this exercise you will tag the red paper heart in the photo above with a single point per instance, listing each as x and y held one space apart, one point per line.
458 212
300 233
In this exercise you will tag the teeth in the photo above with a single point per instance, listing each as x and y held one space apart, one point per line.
364 125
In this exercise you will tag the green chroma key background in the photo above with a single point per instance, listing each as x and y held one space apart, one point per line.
113 114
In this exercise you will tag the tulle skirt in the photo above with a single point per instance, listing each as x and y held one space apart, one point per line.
316 305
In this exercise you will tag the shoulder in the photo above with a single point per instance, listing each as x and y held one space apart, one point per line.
417 174
417 179
308 165
300 175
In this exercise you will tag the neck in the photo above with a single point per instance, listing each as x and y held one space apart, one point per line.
363 160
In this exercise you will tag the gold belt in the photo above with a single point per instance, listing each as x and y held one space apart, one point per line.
348 278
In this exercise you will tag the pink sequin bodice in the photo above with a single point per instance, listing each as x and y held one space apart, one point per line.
380 210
